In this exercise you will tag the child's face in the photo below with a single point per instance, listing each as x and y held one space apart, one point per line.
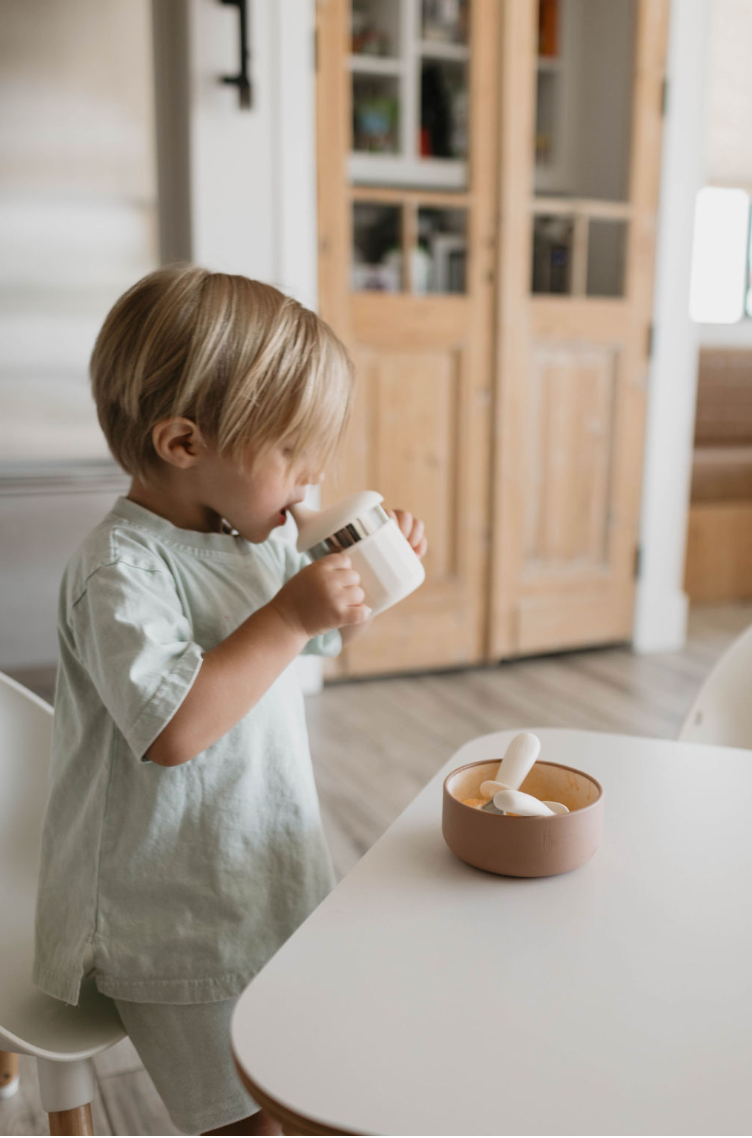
254 501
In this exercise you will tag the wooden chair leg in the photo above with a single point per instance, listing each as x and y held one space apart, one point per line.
62 1084
8 1072
76 1121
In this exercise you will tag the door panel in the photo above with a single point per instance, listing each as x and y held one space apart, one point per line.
407 281
569 452
574 318
586 616
420 435
417 406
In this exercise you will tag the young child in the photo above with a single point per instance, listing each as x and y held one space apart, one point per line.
182 843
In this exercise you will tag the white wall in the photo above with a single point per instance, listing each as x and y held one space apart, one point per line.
728 131
251 204
708 142
250 208
40 528
661 608
77 226
77 208
728 140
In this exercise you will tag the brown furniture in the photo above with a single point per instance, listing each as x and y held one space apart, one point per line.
719 535
487 212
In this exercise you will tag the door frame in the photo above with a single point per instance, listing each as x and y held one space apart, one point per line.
662 606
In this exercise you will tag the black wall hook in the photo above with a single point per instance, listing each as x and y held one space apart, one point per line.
242 80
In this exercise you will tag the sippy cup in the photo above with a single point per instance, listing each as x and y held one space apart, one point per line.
389 568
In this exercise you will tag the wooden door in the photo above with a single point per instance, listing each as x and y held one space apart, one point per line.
418 323
576 259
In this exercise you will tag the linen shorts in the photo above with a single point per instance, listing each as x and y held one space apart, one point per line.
186 1050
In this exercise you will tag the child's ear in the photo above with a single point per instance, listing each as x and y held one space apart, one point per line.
178 441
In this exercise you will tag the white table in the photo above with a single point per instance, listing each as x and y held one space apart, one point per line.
427 997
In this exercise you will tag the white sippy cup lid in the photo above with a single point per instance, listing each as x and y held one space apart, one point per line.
315 526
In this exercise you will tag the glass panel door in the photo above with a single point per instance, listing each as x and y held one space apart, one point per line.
375 28
582 144
410 65
584 98
442 251
377 248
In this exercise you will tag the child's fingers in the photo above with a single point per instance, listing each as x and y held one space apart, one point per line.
410 526
341 565
356 614
353 595
403 519
422 548
348 577
405 522
416 533
336 561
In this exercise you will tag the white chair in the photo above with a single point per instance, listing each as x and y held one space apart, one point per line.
722 710
62 1038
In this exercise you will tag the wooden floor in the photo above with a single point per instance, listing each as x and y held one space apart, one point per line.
376 743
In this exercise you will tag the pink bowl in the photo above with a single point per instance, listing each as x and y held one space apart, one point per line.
524 847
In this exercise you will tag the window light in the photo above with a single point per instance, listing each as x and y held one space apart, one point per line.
719 256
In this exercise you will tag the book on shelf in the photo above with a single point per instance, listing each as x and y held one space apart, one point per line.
548 28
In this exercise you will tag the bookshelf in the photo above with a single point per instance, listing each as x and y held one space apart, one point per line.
409 66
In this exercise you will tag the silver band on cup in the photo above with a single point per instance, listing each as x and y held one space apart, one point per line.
353 532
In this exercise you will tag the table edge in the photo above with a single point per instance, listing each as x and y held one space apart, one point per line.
284 1114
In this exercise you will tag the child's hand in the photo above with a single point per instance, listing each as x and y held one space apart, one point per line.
412 528
324 595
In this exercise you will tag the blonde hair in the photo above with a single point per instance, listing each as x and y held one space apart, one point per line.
246 363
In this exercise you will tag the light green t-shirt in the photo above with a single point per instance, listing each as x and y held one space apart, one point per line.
182 881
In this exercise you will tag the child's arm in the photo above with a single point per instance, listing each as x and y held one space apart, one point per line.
235 674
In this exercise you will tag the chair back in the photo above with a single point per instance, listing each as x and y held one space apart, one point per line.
31 1022
722 709
25 750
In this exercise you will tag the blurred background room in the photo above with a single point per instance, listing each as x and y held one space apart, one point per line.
529 220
